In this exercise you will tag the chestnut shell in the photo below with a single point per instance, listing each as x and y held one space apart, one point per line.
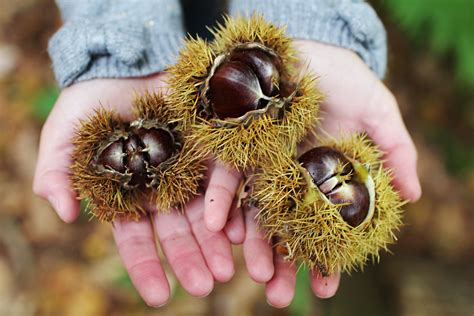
264 67
234 90
321 163
138 151
244 82
358 199
112 156
339 186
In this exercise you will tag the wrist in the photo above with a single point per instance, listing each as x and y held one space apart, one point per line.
349 24
115 41
327 60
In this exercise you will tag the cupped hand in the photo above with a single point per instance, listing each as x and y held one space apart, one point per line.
197 256
355 101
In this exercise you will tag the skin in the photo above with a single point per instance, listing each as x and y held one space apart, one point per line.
355 101
197 256
197 243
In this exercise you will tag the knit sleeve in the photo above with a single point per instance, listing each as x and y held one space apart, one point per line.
351 24
115 38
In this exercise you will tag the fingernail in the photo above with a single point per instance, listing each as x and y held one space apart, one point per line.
157 305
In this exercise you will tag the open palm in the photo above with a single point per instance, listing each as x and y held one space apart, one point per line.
355 101
196 255
197 243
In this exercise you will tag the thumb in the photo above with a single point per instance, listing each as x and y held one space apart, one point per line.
51 180
384 124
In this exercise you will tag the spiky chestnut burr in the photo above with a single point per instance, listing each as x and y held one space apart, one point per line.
117 165
241 93
333 208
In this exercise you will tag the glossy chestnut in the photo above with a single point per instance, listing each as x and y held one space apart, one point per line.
141 149
336 178
243 82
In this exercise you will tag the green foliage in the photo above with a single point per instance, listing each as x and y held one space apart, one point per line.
123 280
457 153
84 214
447 25
44 101
302 303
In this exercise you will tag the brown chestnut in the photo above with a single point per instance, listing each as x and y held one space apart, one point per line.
321 163
234 90
356 200
262 65
143 148
158 143
334 175
112 156
244 82
135 160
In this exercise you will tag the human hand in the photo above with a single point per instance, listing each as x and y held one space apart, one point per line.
196 255
355 101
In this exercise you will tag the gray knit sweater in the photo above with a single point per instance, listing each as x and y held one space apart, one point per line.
133 38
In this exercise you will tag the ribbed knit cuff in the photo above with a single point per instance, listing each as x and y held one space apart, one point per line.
349 24
115 38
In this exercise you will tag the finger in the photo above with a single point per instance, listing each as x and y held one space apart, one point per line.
220 193
51 180
235 227
257 251
183 253
137 248
280 290
215 246
385 126
324 287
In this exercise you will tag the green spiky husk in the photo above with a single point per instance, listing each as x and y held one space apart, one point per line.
242 145
152 106
104 195
316 234
255 29
195 60
187 77
179 178
264 139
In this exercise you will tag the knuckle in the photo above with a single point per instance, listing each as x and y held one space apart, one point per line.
141 264
221 189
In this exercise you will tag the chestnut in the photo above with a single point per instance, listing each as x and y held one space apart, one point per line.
234 90
264 67
158 143
112 156
244 81
355 201
142 148
335 176
321 163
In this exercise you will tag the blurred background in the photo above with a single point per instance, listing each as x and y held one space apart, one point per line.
50 268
